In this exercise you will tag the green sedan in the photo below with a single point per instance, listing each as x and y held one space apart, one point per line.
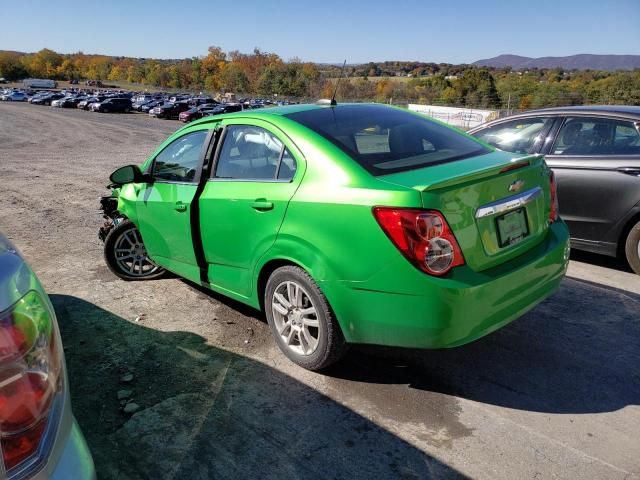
355 223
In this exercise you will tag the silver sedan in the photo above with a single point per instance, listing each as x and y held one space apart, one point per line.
40 438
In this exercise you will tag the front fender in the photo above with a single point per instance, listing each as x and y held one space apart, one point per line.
127 197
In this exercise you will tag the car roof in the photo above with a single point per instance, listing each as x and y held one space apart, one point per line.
276 111
627 111
624 109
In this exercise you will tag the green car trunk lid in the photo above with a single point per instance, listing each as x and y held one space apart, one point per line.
460 189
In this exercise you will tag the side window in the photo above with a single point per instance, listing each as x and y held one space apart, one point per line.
253 153
179 161
287 168
597 136
626 139
524 135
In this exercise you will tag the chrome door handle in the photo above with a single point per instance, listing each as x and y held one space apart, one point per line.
181 207
262 205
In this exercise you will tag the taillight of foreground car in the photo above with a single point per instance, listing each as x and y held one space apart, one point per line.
30 379
423 237
553 188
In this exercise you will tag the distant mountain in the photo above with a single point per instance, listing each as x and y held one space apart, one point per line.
580 62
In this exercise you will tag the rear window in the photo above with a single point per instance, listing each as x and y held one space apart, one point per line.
386 140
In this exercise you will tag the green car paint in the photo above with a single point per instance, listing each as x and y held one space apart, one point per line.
322 221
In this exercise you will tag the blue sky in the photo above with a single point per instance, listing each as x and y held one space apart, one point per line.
326 30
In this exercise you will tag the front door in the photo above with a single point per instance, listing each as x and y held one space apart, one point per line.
242 206
164 205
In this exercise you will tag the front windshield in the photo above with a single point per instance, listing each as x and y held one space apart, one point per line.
386 140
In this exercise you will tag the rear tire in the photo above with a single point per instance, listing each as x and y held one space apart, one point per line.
632 248
301 319
126 256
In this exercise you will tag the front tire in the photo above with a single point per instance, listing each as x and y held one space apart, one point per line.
632 248
301 319
126 255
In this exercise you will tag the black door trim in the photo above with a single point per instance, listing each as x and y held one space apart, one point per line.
206 161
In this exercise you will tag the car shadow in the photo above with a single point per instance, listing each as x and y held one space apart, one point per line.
577 352
605 261
228 302
207 413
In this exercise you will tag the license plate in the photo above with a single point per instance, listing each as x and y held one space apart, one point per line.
512 227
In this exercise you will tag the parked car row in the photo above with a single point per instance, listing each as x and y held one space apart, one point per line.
183 107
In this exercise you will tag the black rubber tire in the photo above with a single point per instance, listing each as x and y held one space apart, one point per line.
331 343
110 256
631 248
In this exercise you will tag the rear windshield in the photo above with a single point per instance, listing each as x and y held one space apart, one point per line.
387 140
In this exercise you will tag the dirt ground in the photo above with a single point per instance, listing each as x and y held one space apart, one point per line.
556 394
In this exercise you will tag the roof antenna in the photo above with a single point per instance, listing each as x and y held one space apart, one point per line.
333 102
333 98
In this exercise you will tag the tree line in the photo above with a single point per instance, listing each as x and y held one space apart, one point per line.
263 73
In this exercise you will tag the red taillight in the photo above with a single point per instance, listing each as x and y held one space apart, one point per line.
29 377
553 188
423 237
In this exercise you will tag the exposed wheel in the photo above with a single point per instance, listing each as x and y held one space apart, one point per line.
301 319
126 255
632 248
106 110
127 110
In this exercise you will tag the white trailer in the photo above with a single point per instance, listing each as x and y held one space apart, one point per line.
39 83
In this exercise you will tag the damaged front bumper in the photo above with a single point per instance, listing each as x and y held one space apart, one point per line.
109 208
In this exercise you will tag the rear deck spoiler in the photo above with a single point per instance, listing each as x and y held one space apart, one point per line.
480 173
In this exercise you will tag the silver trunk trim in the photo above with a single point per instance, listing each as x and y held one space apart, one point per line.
508 203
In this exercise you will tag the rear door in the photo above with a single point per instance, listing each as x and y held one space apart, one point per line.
257 171
164 205
597 165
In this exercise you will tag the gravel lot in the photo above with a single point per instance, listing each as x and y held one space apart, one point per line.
556 394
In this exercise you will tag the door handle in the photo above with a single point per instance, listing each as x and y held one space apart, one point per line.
262 205
181 207
635 171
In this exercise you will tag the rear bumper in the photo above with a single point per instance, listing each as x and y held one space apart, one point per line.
447 312
69 456
75 461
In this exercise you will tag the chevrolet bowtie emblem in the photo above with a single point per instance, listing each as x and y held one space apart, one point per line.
516 186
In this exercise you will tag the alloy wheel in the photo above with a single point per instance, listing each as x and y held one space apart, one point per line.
295 317
131 255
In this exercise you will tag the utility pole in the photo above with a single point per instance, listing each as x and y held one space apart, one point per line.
509 104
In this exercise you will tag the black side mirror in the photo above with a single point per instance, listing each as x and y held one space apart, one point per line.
127 174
